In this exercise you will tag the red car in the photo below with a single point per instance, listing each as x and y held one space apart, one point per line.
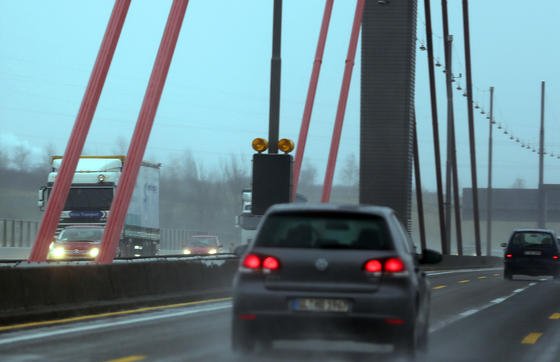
77 242
203 245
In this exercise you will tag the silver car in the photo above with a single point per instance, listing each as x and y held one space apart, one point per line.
331 272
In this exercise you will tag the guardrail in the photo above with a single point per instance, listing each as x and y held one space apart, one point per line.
53 289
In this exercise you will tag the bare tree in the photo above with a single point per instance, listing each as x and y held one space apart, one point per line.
121 146
519 183
20 158
350 171
49 151
4 158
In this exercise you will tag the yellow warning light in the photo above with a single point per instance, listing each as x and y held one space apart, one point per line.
286 145
259 144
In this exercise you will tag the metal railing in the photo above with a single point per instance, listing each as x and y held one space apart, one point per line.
17 233
21 233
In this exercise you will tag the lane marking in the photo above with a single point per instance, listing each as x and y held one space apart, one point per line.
554 316
462 271
439 287
128 359
482 277
464 281
518 290
195 309
109 314
531 338
467 313
498 300
497 275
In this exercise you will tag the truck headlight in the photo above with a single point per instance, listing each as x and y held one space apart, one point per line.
58 252
187 251
212 251
94 252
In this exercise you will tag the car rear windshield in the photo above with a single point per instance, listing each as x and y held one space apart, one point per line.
532 239
325 231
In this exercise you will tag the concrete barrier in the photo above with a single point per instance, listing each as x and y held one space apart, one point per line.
31 292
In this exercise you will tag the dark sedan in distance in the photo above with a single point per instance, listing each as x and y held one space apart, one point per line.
331 272
532 252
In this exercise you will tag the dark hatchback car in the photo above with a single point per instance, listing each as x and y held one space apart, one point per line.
331 272
532 252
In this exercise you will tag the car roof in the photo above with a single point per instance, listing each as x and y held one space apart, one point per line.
550 231
324 207
534 230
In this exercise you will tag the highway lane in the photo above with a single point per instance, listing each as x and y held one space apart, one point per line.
475 316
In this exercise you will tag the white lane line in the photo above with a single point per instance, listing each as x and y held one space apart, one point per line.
113 323
498 300
461 271
470 312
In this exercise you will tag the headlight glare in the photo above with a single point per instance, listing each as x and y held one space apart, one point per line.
58 252
94 252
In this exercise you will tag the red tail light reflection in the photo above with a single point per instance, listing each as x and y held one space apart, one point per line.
391 265
373 266
394 321
394 265
256 262
509 256
252 261
270 263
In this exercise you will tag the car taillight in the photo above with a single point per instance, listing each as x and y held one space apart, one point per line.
252 261
270 263
256 262
391 265
509 256
555 257
373 266
394 265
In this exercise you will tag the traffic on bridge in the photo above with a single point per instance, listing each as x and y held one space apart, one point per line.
272 180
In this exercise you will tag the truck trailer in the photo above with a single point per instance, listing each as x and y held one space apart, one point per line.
92 191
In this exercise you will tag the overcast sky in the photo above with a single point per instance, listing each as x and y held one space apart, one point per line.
216 97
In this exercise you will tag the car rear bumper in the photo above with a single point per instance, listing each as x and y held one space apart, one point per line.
326 327
532 267
377 316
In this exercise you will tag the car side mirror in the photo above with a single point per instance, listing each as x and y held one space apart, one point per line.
240 249
503 245
430 257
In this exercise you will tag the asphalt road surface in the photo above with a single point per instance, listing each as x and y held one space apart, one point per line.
475 316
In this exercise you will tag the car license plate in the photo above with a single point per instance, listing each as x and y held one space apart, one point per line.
320 305
532 252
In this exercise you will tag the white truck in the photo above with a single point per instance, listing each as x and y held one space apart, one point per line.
91 194
248 222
